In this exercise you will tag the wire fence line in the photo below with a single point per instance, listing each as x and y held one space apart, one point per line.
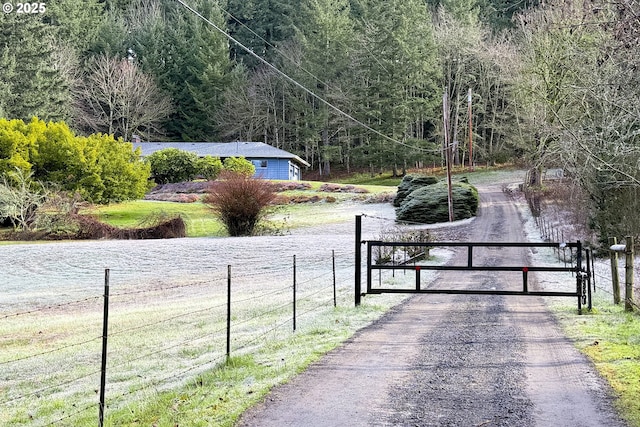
552 227
159 336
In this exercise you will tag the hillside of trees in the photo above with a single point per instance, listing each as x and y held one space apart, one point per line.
349 84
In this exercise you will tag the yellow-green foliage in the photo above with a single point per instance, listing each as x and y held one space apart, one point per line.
101 168
239 165
16 142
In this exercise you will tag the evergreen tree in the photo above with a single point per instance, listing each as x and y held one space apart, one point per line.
118 6
398 67
189 59
34 86
112 36
465 11
499 13
76 23
7 73
262 26
327 37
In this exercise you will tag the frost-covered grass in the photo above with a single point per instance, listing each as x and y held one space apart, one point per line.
166 360
167 324
201 222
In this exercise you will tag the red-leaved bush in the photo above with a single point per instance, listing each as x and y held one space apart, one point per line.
239 201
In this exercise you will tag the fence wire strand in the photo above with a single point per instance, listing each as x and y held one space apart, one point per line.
168 319
54 350
50 307
71 415
270 308
39 391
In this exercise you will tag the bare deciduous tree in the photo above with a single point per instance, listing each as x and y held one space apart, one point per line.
116 97
20 199
584 88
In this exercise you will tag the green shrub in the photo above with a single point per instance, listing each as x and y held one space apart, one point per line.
429 204
239 165
208 167
99 167
172 165
411 183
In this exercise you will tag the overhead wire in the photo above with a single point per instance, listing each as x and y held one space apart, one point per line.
293 61
299 85
275 48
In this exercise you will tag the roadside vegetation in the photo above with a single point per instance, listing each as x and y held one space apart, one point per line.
220 396
610 338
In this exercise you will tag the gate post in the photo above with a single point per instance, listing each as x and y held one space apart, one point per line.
615 278
358 271
579 278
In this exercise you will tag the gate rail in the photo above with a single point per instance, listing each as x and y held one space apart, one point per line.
582 291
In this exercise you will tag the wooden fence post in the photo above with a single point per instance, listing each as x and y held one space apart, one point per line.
615 278
628 297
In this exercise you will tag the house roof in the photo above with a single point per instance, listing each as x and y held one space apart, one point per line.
249 150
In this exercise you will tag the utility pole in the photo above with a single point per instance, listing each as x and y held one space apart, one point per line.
470 133
447 151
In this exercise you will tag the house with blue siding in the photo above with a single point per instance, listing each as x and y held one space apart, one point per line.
270 162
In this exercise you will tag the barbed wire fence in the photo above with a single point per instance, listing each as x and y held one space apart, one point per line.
553 227
159 337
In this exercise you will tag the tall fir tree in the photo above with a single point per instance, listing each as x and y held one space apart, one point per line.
34 86
398 66
188 57
76 23
326 38
262 26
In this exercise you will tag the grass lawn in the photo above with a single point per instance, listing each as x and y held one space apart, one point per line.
198 217
201 222
610 337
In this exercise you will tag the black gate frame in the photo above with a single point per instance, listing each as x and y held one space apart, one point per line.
582 293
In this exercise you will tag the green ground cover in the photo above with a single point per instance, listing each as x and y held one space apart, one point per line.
201 222
610 337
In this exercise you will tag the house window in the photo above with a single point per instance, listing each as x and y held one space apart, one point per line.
260 164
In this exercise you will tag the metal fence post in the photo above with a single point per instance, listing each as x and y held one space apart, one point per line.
588 277
615 278
333 265
358 266
294 293
579 276
628 297
228 311
103 365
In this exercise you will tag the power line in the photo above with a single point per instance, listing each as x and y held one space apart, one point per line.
280 52
299 85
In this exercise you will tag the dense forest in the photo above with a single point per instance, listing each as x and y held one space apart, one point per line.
349 84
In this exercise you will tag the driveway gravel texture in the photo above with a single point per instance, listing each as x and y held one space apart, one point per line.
444 360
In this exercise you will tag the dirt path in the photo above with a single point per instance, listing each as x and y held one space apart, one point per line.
441 360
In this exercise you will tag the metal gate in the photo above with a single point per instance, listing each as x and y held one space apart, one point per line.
580 270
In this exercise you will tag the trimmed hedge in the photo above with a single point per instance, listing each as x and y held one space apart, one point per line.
410 183
428 204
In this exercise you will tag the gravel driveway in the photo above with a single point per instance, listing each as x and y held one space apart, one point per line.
441 360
